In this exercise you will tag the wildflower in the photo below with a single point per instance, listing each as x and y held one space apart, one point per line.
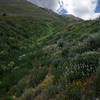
89 80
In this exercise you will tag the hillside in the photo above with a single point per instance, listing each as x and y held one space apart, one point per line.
45 56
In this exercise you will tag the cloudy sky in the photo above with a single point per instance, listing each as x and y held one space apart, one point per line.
85 9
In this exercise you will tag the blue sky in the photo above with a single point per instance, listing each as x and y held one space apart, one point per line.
63 11
98 7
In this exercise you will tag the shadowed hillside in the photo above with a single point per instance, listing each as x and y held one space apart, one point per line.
45 56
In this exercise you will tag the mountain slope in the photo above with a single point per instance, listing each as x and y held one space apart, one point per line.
44 56
25 8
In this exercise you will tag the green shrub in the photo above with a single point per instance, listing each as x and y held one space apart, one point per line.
49 91
65 52
6 98
94 41
81 48
12 90
88 58
96 82
83 36
29 94
73 93
37 76
20 88
60 43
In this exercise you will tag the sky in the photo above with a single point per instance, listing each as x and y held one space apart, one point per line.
98 7
85 9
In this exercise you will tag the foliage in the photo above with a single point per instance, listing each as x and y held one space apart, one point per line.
47 56
37 76
29 94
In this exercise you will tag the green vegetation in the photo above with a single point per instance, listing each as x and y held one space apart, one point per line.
45 56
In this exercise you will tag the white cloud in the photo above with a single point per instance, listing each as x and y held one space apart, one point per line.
96 15
81 8
84 9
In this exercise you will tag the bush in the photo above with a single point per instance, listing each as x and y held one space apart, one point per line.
49 91
96 82
6 98
73 93
60 43
37 76
77 72
94 41
81 48
29 94
20 88
65 52
89 58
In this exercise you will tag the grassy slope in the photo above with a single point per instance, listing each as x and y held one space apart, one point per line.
35 42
